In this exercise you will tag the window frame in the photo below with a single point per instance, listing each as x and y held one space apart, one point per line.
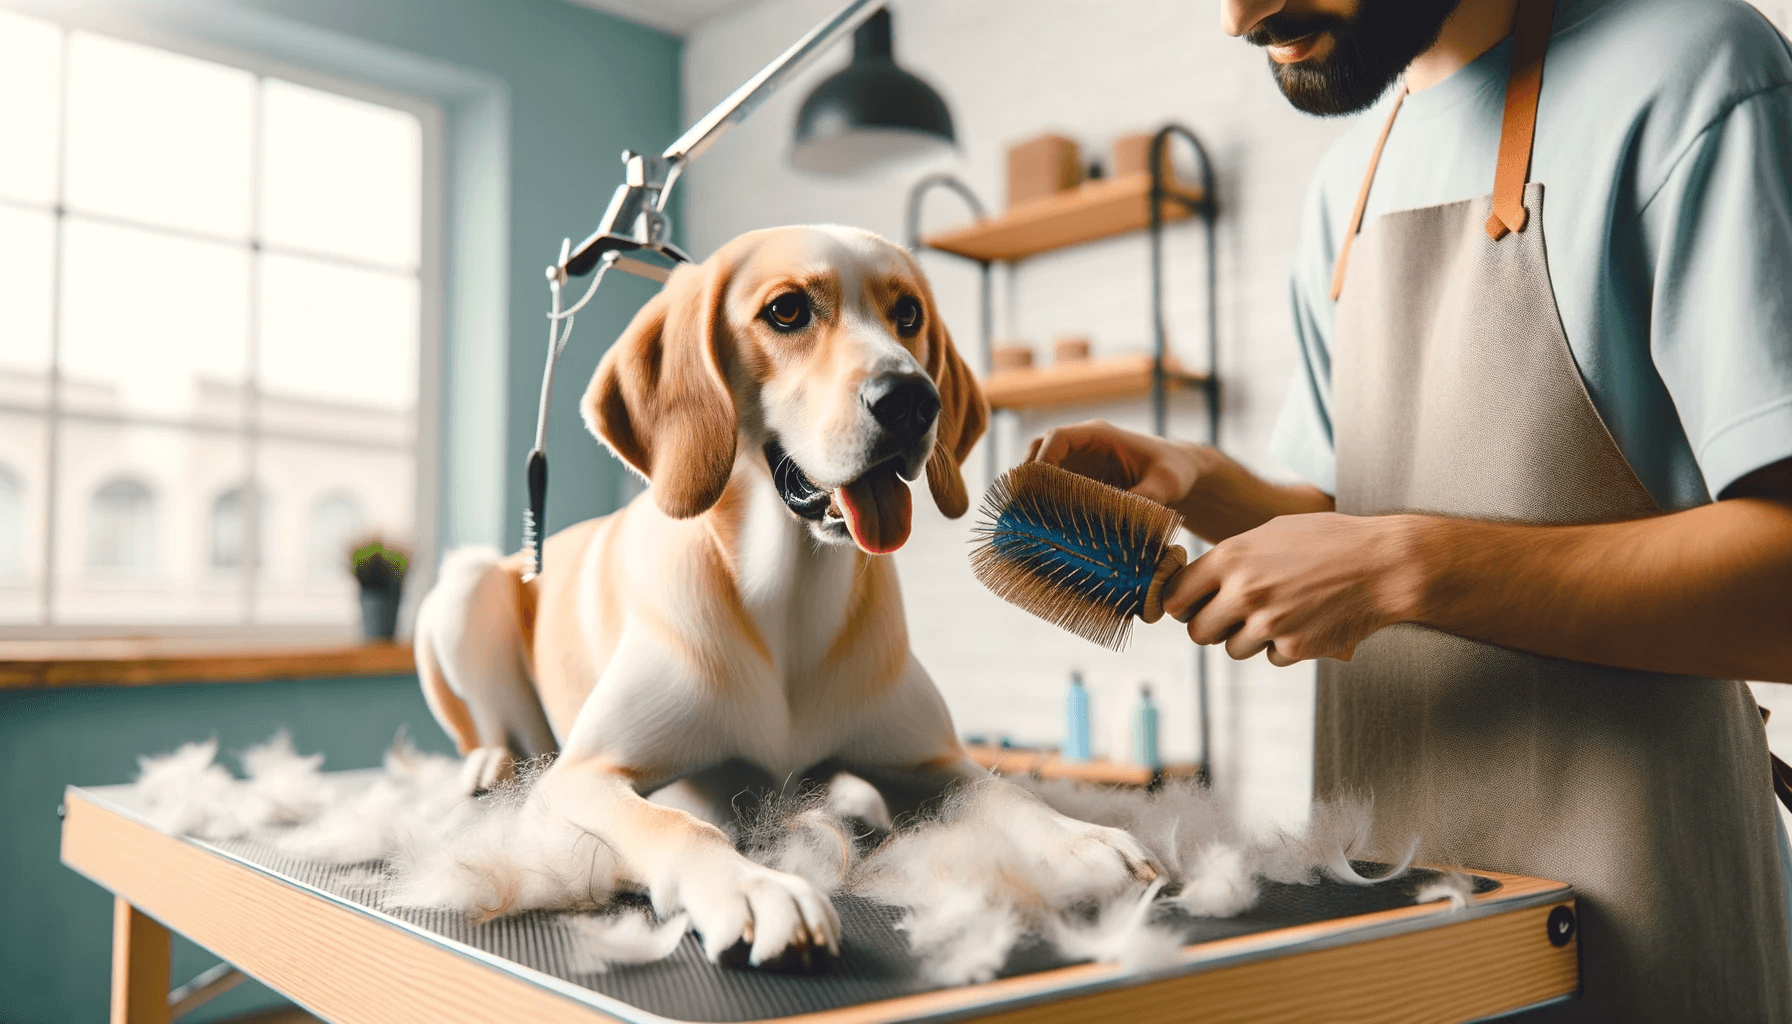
428 496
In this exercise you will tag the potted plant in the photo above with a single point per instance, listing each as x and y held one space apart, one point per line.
380 569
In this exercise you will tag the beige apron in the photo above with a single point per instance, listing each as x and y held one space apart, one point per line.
1455 393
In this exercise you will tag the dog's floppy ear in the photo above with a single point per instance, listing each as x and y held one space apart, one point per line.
963 415
660 396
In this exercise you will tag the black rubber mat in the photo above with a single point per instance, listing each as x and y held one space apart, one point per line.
875 963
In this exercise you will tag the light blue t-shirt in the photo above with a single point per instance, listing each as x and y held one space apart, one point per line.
1664 146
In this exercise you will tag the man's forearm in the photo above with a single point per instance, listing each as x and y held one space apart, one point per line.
1704 592
1229 499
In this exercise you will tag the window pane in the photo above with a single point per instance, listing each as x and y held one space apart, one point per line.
158 137
335 334
327 496
21 515
26 241
30 59
152 324
133 524
228 529
340 176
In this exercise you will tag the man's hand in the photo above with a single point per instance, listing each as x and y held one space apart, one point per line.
1217 497
1152 467
1704 592
1300 586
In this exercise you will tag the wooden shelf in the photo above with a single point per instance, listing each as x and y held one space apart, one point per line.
33 664
1046 765
1096 209
1089 380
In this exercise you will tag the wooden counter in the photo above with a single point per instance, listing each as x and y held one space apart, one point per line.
42 664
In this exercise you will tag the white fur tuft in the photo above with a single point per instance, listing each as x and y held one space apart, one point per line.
991 869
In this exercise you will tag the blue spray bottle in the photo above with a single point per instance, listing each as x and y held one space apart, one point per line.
1144 731
1076 721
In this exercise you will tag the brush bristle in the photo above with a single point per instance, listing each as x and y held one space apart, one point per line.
1073 551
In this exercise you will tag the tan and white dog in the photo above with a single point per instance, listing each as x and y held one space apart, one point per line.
739 626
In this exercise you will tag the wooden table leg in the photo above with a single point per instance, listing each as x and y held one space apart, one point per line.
140 953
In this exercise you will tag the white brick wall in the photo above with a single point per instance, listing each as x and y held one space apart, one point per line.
1093 70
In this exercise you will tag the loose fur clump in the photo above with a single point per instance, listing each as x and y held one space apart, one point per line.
974 886
629 938
1074 551
806 836
485 856
1454 886
985 872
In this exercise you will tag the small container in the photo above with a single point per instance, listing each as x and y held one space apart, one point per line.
1011 356
379 614
1076 721
1144 731
1070 349
1132 155
1042 167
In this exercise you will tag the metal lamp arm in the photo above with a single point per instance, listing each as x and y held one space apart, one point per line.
635 218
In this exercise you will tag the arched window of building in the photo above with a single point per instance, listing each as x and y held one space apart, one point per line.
12 525
121 528
336 520
229 534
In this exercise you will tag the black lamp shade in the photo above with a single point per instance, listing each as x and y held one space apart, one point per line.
871 113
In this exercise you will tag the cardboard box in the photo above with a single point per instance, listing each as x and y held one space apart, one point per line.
1070 349
1132 155
1011 355
1041 168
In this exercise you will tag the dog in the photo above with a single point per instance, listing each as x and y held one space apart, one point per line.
739 626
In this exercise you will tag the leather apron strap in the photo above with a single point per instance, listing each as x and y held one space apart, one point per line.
1530 39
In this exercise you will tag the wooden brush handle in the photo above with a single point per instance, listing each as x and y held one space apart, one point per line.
1173 560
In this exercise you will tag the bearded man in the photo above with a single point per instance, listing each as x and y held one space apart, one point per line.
1547 516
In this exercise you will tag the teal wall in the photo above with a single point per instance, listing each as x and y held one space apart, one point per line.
55 926
539 98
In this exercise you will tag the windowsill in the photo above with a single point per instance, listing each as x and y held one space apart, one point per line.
57 664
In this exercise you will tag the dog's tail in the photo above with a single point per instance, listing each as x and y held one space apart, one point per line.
473 659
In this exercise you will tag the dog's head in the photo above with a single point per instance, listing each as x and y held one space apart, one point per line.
816 349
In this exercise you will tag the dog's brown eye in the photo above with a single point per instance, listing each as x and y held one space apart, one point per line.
787 312
907 315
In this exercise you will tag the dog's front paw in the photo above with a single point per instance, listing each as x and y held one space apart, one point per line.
1094 861
773 917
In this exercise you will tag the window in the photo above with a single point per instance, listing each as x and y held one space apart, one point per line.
229 529
121 530
336 522
209 275
12 526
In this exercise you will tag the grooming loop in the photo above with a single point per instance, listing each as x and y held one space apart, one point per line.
559 333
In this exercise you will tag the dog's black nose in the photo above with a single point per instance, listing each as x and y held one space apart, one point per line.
902 403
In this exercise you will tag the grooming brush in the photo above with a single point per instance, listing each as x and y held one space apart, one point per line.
1075 552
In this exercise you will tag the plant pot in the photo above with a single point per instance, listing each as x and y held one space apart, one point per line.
379 614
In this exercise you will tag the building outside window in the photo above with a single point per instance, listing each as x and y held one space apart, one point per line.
12 526
210 334
121 530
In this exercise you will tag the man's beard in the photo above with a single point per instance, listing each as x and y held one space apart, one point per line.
1369 51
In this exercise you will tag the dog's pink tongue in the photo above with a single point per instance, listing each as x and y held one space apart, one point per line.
877 507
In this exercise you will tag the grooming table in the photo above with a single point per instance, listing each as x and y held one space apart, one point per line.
320 935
